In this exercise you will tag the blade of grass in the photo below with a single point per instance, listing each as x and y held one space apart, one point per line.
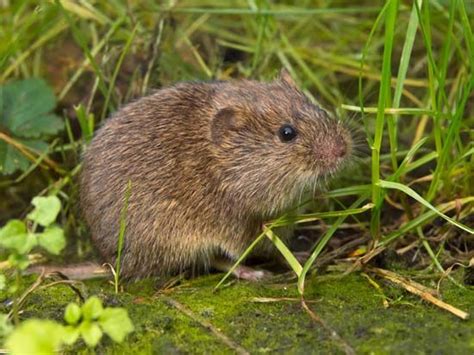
445 55
422 161
240 259
281 246
453 132
116 71
289 257
424 22
365 51
121 236
262 20
84 12
322 243
411 153
410 192
94 52
467 31
389 110
315 79
384 99
310 217
279 13
81 41
50 34
347 191
424 218
433 256
392 122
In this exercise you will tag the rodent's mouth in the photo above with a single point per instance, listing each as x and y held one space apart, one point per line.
330 167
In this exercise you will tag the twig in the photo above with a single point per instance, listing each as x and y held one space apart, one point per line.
64 280
348 350
37 286
279 299
378 288
419 290
207 325
25 294
28 153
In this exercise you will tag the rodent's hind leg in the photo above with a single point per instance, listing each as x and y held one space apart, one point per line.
241 272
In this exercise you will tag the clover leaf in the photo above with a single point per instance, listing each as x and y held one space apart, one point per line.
72 314
52 239
36 336
91 333
92 309
92 320
46 210
71 334
116 323
14 236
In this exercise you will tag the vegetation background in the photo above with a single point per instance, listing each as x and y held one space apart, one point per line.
401 71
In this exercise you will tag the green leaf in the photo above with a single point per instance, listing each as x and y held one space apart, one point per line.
416 196
72 313
287 254
26 109
18 261
116 323
3 282
91 333
46 210
92 309
48 124
14 236
52 239
11 159
71 334
13 228
35 336
26 114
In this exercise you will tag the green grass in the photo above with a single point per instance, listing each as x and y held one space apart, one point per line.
403 74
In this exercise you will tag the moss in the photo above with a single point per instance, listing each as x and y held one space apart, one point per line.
349 305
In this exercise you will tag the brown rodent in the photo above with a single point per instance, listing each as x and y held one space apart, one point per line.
208 163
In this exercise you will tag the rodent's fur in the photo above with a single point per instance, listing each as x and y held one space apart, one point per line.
207 169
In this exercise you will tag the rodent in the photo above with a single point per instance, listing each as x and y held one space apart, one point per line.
209 163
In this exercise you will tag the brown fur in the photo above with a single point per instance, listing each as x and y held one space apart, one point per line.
207 168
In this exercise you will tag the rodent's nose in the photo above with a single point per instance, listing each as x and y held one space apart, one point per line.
334 149
340 148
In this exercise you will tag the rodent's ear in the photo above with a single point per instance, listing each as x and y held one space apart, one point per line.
286 78
223 121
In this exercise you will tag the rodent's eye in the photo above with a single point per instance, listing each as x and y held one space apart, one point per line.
287 133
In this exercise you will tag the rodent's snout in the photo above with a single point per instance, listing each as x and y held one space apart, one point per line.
332 151
340 148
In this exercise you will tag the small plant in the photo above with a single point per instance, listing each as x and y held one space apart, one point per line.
26 120
20 237
90 322
36 336
86 121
